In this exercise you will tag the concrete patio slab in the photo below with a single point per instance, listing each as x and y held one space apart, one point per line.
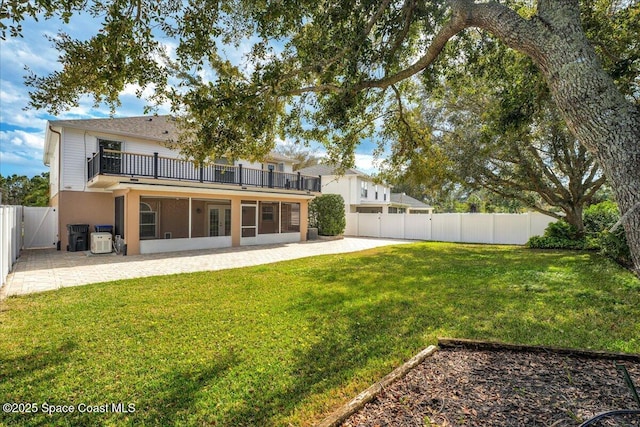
39 270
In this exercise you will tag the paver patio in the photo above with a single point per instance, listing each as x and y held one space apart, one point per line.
39 270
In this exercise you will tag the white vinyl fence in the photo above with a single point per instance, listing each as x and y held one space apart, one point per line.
10 238
40 227
513 229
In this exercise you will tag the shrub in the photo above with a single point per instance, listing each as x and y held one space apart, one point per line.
562 230
600 217
326 212
542 242
614 245
559 235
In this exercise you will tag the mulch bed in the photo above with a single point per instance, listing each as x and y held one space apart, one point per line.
470 387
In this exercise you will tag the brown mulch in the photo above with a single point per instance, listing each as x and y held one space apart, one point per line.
467 387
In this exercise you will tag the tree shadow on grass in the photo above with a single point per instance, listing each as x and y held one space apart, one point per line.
30 372
174 403
34 365
362 321
329 362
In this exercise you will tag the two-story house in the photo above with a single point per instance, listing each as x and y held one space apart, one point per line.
121 172
359 191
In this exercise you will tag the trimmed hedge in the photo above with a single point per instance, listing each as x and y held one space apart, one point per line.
327 213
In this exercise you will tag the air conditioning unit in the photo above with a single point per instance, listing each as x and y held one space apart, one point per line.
101 243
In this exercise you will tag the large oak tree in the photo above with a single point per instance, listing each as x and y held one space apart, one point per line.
494 127
330 70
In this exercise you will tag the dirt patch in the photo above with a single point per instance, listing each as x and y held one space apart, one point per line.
466 387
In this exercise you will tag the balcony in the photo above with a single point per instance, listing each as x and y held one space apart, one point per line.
123 164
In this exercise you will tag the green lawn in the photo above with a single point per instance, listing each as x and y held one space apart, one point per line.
283 344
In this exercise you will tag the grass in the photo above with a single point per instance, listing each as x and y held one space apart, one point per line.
283 344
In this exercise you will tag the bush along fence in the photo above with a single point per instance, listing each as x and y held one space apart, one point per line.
10 238
510 229
598 220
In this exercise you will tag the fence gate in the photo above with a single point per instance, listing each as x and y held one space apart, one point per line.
40 227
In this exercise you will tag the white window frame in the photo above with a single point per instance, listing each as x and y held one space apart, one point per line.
154 214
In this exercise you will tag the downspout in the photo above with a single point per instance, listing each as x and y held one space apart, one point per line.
59 137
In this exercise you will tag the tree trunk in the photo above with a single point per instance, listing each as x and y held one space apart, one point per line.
574 217
600 117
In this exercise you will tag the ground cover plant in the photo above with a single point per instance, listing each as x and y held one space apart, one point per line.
283 344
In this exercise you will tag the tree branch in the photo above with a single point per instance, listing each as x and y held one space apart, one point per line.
408 8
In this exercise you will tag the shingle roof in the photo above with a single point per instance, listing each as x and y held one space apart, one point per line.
403 199
279 157
158 128
328 170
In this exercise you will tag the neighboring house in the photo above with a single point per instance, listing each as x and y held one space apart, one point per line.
120 172
360 193
401 203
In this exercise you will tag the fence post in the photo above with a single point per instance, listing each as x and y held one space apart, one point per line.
155 165
2 245
493 227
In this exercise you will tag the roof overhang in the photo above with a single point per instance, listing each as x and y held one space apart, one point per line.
195 188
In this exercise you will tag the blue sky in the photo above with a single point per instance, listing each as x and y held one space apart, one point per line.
22 131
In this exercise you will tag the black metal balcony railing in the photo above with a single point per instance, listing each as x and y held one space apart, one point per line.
109 162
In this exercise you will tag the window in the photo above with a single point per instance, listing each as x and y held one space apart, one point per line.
147 221
393 210
290 218
384 194
224 171
112 155
364 189
267 213
159 215
376 192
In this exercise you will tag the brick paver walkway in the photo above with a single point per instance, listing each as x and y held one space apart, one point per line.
39 270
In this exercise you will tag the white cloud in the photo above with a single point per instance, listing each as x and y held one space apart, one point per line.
18 53
367 163
20 159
